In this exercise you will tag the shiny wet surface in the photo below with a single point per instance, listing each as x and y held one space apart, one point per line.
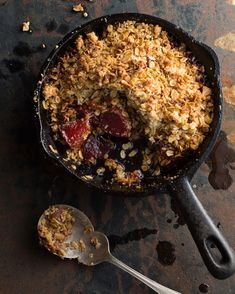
149 233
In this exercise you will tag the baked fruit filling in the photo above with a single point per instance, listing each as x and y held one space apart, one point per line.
128 103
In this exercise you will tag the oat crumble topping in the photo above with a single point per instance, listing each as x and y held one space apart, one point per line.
55 229
132 83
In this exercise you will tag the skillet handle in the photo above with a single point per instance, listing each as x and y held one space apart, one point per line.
204 232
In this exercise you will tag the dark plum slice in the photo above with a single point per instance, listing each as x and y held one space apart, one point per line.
96 147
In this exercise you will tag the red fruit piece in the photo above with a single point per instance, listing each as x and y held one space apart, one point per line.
75 133
96 147
115 123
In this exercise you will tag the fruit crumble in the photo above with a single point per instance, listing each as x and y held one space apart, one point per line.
128 103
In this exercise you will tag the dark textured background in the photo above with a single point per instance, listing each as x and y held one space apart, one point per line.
136 227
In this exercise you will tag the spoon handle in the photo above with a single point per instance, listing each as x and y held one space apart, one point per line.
153 285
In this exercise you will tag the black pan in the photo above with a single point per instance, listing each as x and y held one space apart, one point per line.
175 179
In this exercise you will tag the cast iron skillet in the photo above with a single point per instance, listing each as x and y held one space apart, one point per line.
176 179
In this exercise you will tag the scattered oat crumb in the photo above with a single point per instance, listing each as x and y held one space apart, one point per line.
85 14
53 149
169 153
74 245
82 245
25 27
133 153
73 166
88 230
56 46
127 146
106 156
42 46
95 242
100 171
123 154
78 8
88 177
156 172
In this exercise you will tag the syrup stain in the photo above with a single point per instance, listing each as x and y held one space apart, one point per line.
219 162
51 25
135 235
63 29
166 253
23 49
14 65
178 213
2 76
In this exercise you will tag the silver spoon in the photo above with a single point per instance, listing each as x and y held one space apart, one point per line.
99 252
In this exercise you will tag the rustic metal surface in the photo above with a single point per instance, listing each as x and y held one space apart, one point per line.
148 234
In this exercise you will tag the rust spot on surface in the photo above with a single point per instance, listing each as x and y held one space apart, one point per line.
166 252
145 6
232 2
178 213
229 94
226 42
135 235
231 137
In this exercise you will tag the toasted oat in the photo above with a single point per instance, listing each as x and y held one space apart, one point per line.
95 242
42 46
78 8
25 27
127 146
82 245
74 245
123 154
53 149
88 230
133 153
100 171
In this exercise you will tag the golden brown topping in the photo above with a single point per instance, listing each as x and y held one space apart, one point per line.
55 229
166 100
95 242
78 8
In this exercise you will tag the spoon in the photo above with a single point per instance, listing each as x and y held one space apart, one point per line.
96 249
